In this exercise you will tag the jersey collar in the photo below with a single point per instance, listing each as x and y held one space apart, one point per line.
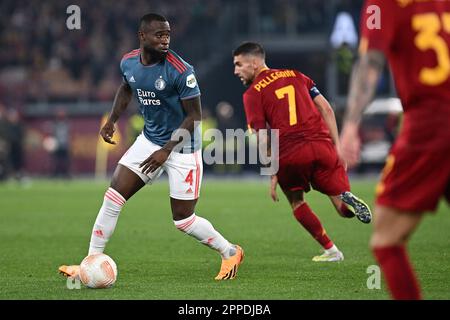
260 71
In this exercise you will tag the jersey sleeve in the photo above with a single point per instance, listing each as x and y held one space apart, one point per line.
377 26
122 71
186 84
311 85
254 112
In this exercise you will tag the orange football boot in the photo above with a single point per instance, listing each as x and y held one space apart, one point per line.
70 271
230 266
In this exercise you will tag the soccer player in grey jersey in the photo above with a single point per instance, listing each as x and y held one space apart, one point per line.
169 100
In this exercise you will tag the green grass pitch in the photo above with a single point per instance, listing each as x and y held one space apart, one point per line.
49 223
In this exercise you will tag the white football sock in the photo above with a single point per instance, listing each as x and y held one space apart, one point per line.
202 230
333 249
106 221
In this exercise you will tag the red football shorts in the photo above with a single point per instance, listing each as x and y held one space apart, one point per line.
313 163
414 179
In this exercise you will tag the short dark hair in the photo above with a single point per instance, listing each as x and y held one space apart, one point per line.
149 18
252 48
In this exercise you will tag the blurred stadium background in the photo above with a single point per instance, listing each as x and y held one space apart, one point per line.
56 84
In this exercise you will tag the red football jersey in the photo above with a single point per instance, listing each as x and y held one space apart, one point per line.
283 100
415 38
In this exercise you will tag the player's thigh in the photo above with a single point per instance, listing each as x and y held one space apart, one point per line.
295 169
392 226
185 173
414 179
140 150
329 176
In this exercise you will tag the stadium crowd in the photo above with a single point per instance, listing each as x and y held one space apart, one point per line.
41 60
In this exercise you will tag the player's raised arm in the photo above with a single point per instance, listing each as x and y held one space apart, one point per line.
365 75
121 101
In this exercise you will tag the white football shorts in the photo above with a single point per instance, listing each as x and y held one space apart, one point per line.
185 170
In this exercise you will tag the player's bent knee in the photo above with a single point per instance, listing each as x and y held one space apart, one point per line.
393 227
297 204
182 209
181 215
386 238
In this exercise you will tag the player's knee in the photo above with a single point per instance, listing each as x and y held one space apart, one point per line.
182 209
296 204
178 216
117 187
386 238
181 213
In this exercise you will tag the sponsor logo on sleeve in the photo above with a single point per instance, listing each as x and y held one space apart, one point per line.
191 82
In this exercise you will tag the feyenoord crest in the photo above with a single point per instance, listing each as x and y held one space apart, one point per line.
160 84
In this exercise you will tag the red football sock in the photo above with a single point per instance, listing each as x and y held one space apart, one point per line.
311 222
346 212
398 272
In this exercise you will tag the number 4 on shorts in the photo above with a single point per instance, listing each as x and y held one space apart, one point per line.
189 178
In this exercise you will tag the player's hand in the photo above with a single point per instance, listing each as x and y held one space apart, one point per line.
350 145
107 132
155 161
273 188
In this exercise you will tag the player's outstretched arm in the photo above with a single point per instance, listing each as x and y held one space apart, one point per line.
121 101
193 110
365 75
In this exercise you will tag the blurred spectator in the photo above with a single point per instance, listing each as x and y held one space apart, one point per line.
61 153
17 133
225 116
4 142
227 120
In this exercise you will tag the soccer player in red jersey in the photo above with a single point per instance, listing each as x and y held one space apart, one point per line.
414 36
289 101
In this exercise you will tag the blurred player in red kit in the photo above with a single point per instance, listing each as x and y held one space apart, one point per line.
414 36
290 102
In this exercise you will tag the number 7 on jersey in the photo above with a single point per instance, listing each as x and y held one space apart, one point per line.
290 92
